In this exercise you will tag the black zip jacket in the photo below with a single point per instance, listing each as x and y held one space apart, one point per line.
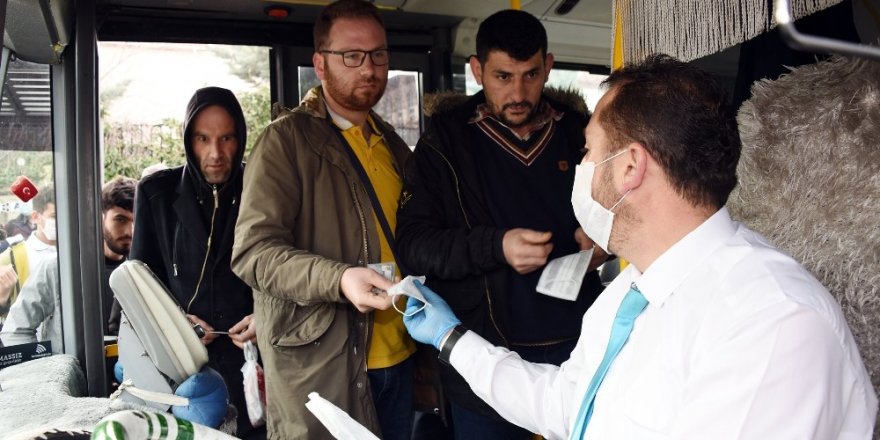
446 232
173 212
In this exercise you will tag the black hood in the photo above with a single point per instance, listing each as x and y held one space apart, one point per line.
207 97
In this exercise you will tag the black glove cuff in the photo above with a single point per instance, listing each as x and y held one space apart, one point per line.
446 349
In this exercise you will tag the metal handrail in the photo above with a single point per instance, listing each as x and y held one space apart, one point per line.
799 41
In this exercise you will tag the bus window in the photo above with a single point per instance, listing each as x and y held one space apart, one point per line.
399 106
144 89
26 150
588 84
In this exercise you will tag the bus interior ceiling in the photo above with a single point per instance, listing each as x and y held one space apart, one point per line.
579 32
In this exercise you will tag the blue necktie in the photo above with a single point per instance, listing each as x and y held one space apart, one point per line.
630 308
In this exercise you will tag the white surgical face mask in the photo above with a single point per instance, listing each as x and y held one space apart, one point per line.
406 287
49 229
592 216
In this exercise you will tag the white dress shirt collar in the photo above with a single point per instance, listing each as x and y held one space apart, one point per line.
38 245
666 273
339 120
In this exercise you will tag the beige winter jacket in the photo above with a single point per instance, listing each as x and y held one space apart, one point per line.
305 218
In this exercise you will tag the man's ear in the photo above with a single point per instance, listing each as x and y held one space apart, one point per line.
318 62
636 161
476 69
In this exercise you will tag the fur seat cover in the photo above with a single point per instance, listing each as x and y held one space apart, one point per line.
809 181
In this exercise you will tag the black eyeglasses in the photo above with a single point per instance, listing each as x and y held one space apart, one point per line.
355 58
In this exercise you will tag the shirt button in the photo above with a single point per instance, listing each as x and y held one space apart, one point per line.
360 385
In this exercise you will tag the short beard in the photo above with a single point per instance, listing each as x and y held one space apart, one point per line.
352 101
113 248
528 120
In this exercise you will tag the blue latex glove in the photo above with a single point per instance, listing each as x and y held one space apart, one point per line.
207 395
433 322
118 371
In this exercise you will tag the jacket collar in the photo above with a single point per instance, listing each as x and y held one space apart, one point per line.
314 106
451 113
544 115
190 207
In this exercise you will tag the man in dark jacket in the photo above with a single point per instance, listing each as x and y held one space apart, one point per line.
487 203
117 219
185 219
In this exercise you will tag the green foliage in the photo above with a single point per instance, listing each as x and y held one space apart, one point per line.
36 165
129 148
256 106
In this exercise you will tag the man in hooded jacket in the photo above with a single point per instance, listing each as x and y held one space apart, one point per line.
185 219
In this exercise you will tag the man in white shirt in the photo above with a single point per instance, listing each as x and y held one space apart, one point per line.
19 260
732 339
32 318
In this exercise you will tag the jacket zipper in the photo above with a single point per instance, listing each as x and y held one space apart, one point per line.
362 218
174 246
208 246
468 223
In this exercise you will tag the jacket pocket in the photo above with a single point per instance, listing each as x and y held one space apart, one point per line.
288 324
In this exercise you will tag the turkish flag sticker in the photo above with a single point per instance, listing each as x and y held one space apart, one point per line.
23 188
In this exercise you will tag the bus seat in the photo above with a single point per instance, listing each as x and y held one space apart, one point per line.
50 395
809 181
153 324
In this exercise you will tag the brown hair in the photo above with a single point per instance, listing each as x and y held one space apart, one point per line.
44 198
678 113
342 9
118 192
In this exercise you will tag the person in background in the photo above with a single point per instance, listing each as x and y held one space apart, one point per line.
21 224
40 297
33 316
117 219
4 243
321 327
116 309
487 204
185 219
710 332
18 260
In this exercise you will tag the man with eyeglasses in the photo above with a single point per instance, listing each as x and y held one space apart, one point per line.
319 204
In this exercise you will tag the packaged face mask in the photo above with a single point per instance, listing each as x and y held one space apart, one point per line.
407 288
